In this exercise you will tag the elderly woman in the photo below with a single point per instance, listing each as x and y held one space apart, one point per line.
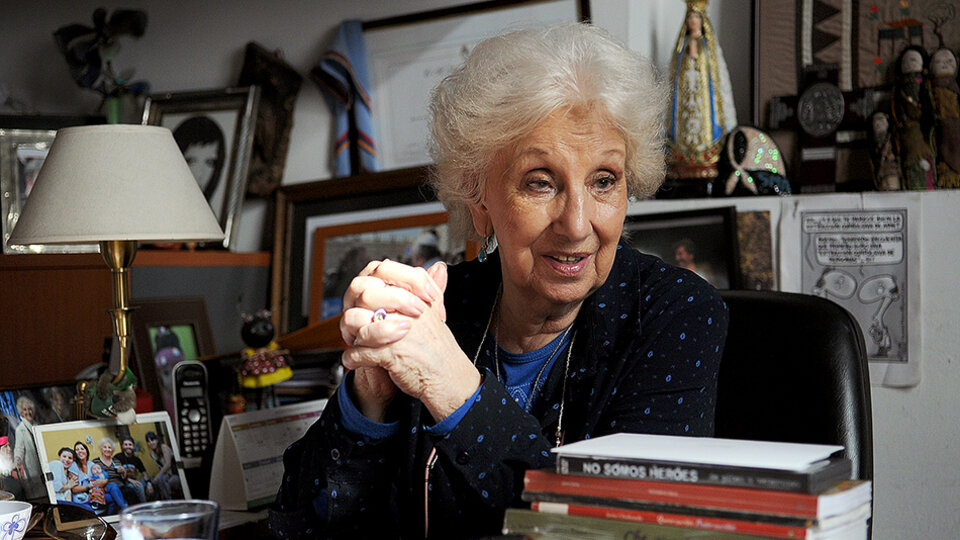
560 334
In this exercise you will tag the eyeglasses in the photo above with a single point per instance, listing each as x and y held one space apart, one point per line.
68 522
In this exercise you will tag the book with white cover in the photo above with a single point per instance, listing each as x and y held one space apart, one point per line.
708 450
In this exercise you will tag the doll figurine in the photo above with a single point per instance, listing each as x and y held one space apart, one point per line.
263 363
945 94
886 169
911 110
701 106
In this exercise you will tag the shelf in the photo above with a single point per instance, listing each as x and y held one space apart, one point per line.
145 257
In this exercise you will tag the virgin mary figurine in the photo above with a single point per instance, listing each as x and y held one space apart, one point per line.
701 108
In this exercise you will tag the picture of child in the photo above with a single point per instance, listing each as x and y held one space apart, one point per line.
97 498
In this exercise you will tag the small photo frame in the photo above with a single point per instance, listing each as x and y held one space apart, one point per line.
703 241
215 131
21 410
167 331
22 153
153 454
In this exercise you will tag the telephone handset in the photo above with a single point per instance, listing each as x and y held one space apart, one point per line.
191 410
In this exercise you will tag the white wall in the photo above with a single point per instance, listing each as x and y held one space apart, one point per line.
916 433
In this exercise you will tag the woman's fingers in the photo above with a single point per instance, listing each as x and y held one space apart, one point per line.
411 278
372 293
358 328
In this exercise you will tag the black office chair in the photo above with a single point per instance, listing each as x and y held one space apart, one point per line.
794 369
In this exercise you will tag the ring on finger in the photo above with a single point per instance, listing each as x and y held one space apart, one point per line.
379 315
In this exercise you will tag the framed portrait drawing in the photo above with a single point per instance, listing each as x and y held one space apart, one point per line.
77 456
703 241
22 153
409 54
167 331
215 131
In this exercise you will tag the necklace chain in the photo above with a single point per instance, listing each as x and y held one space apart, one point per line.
566 367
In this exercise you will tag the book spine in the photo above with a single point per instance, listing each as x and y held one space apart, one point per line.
707 496
715 524
688 474
543 525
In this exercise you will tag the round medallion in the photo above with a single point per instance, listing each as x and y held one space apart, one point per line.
820 109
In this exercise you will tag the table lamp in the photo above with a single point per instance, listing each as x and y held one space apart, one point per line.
115 185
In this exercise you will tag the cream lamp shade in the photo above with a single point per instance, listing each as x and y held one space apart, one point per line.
115 182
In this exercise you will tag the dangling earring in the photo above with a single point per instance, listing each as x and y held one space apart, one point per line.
487 245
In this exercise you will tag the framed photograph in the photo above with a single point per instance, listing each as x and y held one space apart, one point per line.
215 131
167 331
22 153
703 241
21 410
303 208
408 55
341 251
140 462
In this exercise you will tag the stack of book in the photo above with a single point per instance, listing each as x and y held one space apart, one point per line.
664 487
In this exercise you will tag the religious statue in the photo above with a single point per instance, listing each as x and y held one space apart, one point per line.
945 94
701 108
911 110
886 169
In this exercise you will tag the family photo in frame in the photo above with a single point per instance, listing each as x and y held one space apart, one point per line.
105 466
22 411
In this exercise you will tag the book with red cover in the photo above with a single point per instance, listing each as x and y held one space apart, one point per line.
842 498
716 523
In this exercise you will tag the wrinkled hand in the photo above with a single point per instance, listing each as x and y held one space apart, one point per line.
412 350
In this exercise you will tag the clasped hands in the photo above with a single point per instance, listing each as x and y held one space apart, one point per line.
394 324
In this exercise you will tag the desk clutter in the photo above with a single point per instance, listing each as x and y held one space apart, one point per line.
658 486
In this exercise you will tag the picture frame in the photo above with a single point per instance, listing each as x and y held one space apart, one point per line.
408 55
341 251
225 118
49 404
51 438
166 331
707 238
302 208
22 153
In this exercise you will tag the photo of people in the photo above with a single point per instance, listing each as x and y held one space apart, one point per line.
171 344
345 255
104 466
21 411
703 242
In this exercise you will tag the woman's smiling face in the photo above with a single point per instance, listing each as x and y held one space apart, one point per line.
81 452
66 458
556 200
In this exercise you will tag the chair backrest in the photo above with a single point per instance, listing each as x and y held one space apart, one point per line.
794 369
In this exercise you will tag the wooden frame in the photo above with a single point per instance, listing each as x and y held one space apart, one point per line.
713 232
51 437
226 117
185 318
297 204
409 55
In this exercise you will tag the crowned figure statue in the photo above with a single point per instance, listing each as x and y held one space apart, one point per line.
701 107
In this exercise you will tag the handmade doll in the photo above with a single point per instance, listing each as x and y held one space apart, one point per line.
945 94
263 363
886 169
911 109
